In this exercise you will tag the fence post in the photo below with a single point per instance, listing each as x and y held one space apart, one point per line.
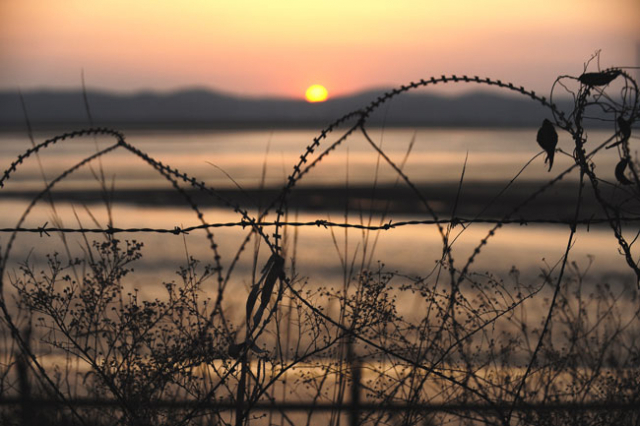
356 377
241 391
27 414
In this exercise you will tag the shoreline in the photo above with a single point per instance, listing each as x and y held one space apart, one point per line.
20 128
474 199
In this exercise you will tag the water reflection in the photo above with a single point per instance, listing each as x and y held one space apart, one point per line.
437 155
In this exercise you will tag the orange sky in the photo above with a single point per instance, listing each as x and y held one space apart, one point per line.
280 47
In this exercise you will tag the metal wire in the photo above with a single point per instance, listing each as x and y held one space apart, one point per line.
177 230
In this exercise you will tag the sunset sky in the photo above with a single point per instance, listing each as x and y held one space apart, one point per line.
280 47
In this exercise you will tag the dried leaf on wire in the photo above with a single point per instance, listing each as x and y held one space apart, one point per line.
620 169
599 78
624 126
251 299
272 271
548 139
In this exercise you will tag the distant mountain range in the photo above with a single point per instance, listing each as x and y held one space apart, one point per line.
202 109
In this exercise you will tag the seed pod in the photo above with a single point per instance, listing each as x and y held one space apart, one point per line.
548 139
620 169
235 349
599 78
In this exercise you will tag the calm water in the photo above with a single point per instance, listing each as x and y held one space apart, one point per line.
438 155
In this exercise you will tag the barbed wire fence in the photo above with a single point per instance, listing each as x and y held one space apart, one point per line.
275 284
321 223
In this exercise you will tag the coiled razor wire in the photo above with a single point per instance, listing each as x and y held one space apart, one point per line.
572 124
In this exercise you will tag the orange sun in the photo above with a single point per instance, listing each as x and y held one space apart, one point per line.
316 93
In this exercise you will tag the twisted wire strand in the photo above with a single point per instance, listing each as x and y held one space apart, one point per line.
319 223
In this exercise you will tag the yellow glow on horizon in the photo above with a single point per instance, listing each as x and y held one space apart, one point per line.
275 48
316 93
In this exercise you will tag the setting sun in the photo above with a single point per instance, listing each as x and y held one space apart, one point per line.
316 93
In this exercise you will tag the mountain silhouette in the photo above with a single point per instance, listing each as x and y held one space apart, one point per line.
201 109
